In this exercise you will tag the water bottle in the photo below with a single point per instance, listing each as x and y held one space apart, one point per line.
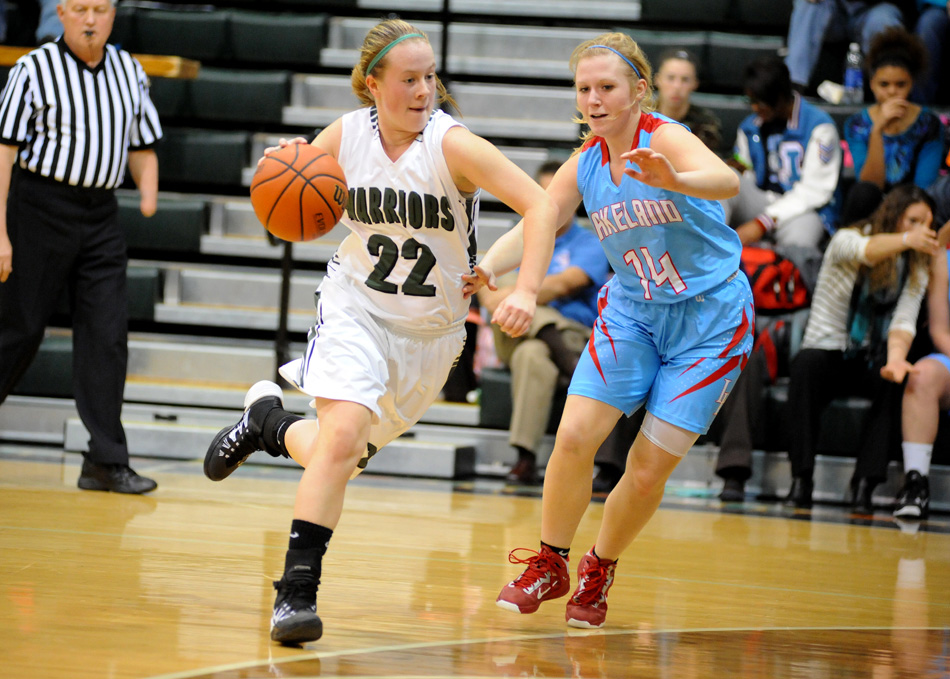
854 76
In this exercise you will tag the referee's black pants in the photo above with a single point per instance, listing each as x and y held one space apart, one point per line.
68 240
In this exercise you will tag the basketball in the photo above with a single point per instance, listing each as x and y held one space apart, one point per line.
299 192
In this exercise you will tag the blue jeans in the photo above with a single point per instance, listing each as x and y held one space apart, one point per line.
49 24
932 27
813 23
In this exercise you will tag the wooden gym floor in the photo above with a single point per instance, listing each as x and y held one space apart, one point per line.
178 584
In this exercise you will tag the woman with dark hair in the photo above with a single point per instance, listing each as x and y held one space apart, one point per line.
862 322
675 80
893 141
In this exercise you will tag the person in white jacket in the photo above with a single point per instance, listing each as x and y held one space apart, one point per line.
789 152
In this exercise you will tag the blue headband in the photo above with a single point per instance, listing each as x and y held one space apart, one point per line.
388 47
629 63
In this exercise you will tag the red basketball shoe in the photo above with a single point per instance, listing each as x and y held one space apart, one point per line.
546 577
587 607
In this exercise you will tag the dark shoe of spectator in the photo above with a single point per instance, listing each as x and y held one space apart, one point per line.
733 490
607 477
524 472
799 495
913 500
860 499
119 478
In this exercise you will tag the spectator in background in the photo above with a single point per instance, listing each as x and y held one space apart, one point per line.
815 21
546 355
862 322
791 153
933 28
892 141
676 79
927 394
48 27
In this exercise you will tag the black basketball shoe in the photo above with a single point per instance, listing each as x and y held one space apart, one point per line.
913 501
295 618
234 444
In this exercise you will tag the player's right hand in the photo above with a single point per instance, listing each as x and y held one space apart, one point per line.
6 258
281 143
475 281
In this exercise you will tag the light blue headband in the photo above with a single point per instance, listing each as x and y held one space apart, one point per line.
629 63
388 47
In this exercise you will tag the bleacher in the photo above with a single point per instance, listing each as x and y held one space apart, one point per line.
205 281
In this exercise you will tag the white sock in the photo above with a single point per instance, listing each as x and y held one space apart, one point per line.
917 457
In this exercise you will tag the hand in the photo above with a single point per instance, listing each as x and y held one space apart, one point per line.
943 236
655 169
281 143
922 239
893 110
6 258
750 232
476 280
515 313
896 371
148 205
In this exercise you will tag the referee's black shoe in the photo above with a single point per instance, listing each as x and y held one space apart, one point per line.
119 478
235 443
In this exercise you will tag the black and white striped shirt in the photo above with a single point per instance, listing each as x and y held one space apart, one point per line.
75 124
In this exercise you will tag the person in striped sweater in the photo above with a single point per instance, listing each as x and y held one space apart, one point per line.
863 320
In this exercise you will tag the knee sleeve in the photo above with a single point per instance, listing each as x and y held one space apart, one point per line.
674 440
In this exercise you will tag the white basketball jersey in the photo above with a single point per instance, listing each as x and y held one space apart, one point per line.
413 232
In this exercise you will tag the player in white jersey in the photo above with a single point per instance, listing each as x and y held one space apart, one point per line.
390 320
673 329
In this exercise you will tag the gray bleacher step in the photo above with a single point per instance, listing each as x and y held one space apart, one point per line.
180 440
526 112
234 296
235 231
608 10
474 48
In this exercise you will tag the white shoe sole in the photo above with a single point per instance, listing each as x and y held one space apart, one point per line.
262 389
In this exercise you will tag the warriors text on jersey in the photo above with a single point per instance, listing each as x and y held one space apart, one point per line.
663 245
413 232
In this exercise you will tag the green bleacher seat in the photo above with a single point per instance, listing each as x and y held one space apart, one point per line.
684 12
730 53
51 372
232 95
177 225
264 38
196 156
123 28
144 289
171 97
191 34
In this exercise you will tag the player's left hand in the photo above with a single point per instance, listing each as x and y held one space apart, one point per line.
896 371
478 279
655 168
515 313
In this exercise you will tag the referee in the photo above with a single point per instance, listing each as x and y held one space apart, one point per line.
73 115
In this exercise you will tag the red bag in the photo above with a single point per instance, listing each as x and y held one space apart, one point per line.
777 284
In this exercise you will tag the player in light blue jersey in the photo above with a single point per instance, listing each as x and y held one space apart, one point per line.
674 327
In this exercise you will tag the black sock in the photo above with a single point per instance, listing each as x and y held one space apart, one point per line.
594 552
561 552
306 535
561 356
276 423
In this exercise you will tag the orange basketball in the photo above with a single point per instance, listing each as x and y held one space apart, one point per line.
299 192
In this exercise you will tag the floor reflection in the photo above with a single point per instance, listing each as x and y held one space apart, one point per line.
777 654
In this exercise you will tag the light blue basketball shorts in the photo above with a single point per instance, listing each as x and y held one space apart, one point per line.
681 359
